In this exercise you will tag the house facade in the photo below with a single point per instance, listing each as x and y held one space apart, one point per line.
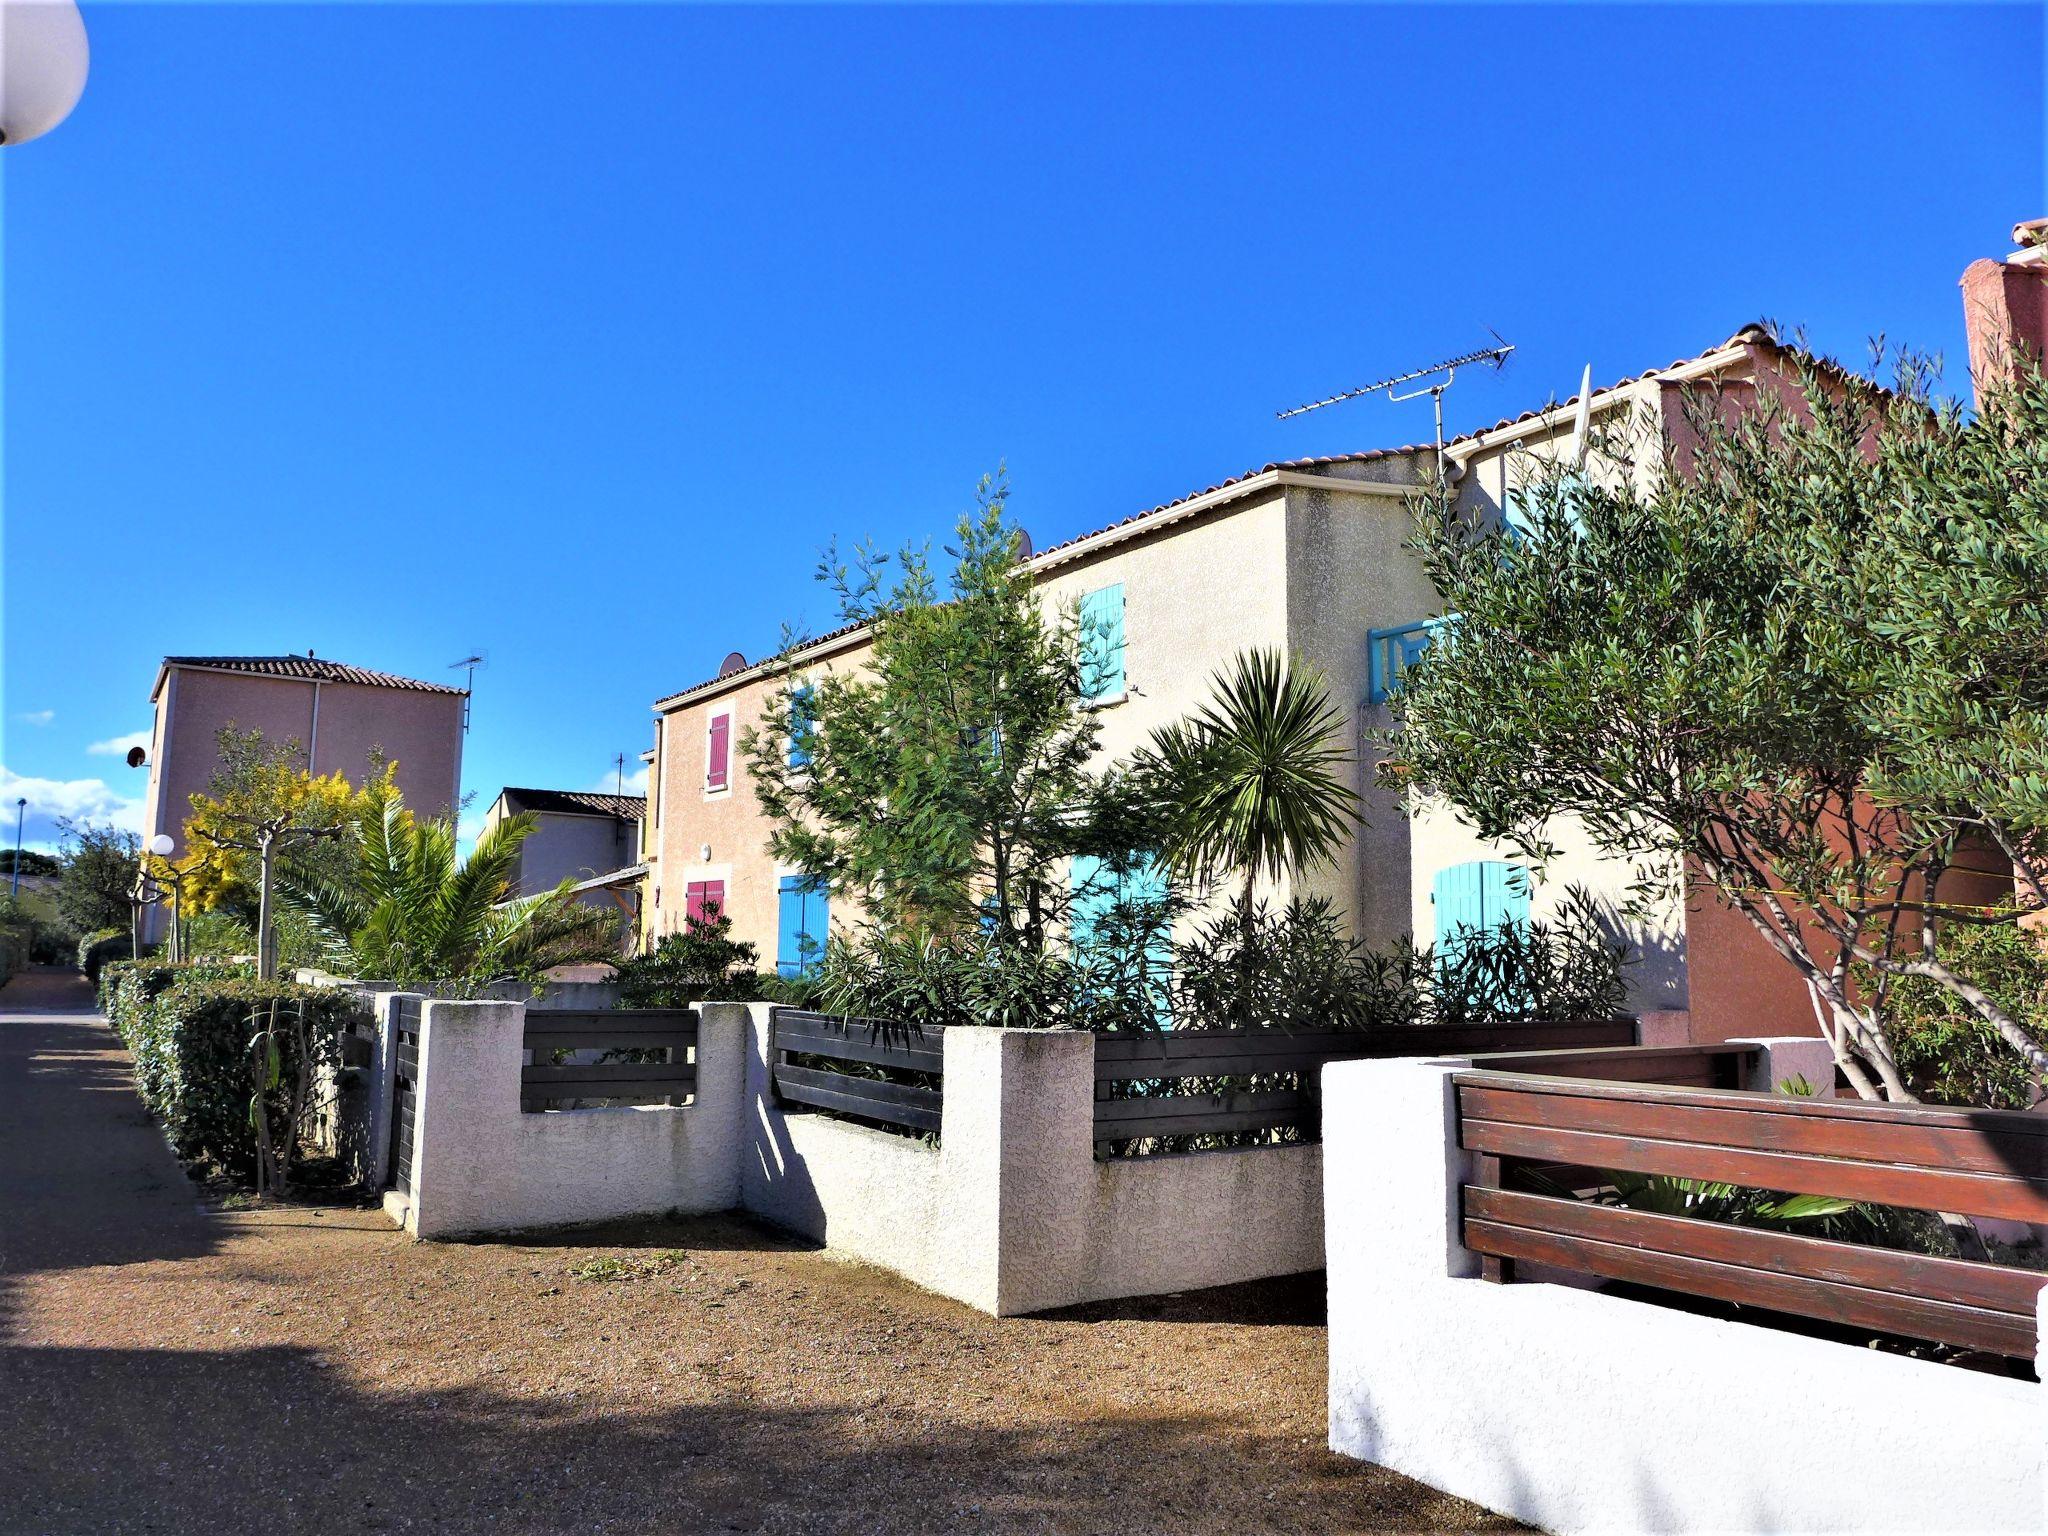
1309 556
341 716
578 836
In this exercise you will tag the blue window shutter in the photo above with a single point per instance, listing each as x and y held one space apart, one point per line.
803 916
1102 643
789 914
1505 895
799 723
1456 893
1093 892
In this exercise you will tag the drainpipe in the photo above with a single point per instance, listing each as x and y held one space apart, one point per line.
313 745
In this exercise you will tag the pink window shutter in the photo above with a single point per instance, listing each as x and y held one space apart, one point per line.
721 741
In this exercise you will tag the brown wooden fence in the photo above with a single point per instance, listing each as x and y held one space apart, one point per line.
642 1056
1972 1162
1190 1082
890 1075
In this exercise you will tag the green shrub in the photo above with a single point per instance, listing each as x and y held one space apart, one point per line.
703 961
100 946
192 1047
1948 1053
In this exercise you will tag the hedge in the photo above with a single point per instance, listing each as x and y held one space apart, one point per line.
191 1046
96 949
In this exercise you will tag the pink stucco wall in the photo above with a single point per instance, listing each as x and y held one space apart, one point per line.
421 731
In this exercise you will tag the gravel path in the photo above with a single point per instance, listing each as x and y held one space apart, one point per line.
166 1367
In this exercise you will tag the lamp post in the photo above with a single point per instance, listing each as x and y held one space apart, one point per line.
20 811
162 846
43 61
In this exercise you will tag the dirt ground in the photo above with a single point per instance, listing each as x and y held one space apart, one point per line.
168 1366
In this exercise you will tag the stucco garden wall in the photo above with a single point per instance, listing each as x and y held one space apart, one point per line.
1578 1410
1011 1212
481 1164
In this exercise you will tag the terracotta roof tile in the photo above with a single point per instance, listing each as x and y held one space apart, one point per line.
311 669
576 802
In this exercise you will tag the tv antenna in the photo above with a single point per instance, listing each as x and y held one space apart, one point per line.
1495 357
467 666
620 759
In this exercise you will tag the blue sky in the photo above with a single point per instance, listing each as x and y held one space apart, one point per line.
574 333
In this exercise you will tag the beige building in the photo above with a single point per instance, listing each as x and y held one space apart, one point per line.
341 716
1309 556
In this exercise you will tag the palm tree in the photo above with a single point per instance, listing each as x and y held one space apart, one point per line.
411 910
1255 782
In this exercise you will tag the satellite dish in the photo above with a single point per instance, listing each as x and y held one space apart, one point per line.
1024 544
734 662
137 757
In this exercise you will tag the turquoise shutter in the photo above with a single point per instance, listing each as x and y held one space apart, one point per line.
1102 643
1504 894
1093 892
802 923
1456 893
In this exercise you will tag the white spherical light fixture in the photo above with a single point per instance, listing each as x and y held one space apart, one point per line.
162 846
43 57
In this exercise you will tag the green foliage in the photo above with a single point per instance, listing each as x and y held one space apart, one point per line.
220 935
1294 969
1564 969
1257 780
192 1048
1803 664
94 888
100 946
32 863
702 962
1948 1052
947 783
409 910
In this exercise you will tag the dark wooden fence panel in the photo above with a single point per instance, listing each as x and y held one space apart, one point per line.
844 1066
1974 1162
1163 1083
622 1039
405 1076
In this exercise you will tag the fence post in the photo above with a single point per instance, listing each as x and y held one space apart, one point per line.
1780 1058
382 1085
465 1113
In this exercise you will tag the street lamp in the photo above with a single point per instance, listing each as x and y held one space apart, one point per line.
20 810
162 846
43 60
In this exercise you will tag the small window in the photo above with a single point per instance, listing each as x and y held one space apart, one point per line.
1102 644
1390 652
718 753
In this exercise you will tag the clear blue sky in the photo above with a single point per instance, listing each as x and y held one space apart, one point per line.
574 333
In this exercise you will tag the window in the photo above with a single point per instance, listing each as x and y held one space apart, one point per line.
718 753
703 900
1102 644
1479 894
800 719
1521 505
803 920
1099 888
1390 652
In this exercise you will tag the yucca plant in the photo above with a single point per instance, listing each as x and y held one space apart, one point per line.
1255 782
411 910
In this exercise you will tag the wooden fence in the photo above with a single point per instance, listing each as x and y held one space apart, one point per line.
643 1056
1972 1162
1166 1084
890 1075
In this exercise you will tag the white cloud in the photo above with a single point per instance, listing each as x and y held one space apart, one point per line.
91 800
121 746
636 783
37 716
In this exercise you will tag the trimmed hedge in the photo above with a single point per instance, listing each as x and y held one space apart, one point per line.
96 949
191 1046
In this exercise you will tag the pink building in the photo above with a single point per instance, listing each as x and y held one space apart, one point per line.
338 714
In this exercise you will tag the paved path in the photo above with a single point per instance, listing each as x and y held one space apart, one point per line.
85 1175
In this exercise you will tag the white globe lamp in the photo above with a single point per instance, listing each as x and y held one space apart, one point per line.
43 58
162 846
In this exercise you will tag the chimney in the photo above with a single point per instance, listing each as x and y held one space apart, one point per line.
2005 307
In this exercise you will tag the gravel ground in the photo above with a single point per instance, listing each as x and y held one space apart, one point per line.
166 1366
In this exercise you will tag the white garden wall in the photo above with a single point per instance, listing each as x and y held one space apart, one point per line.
481 1164
1011 1212
1581 1411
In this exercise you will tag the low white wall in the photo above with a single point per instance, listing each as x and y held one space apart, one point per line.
1011 1213
481 1164
1581 1411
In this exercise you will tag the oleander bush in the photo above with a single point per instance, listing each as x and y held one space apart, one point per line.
702 962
